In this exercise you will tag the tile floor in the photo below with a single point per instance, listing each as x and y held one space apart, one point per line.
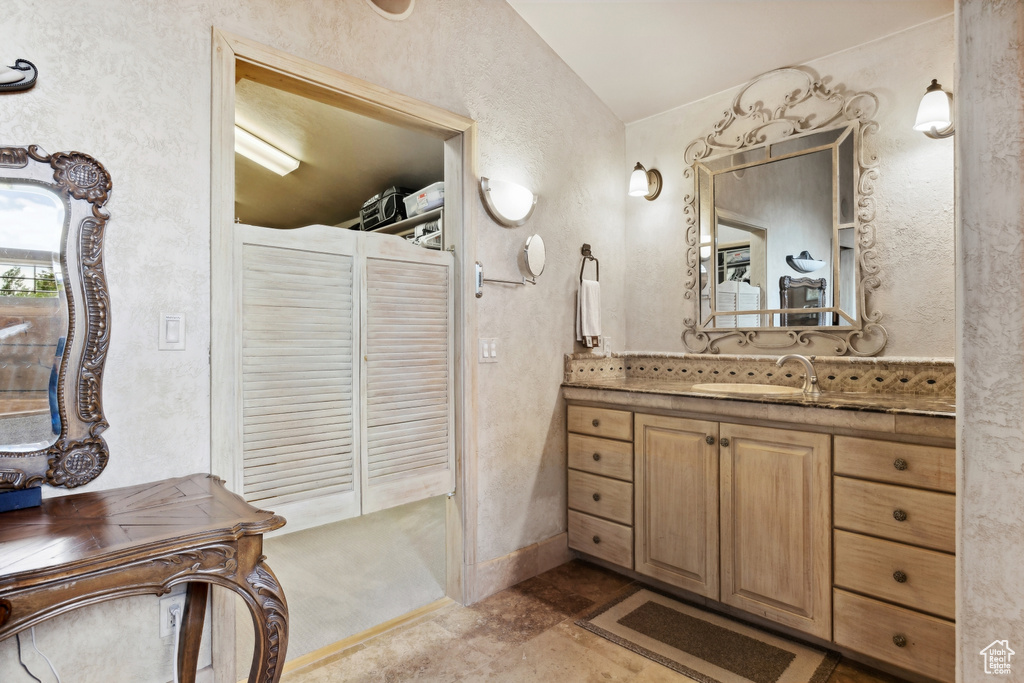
523 634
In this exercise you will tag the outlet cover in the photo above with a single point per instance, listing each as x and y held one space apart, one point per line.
167 604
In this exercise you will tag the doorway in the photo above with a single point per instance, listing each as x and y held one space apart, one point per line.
237 60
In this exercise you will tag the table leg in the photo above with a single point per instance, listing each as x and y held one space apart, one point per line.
269 610
192 630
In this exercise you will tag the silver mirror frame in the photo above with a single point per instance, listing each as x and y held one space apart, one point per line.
79 453
534 243
803 104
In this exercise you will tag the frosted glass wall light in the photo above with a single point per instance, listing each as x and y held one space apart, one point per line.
935 114
507 203
263 153
644 183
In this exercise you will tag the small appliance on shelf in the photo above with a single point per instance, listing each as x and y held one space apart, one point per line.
383 208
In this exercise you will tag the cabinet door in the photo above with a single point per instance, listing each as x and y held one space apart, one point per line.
776 545
676 521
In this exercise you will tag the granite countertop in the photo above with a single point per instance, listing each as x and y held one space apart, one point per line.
907 404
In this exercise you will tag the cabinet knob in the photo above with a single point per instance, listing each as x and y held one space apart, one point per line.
597 497
899 576
899 640
709 440
724 442
597 539
597 456
899 515
900 464
596 423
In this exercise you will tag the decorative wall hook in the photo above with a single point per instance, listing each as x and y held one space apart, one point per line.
21 76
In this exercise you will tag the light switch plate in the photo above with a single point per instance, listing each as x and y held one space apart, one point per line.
172 332
488 352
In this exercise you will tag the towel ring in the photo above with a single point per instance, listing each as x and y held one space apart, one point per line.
588 256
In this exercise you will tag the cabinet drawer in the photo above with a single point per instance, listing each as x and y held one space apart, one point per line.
914 577
611 424
601 456
873 628
601 496
601 538
928 467
928 518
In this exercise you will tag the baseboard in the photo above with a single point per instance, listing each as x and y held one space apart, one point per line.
323 654
498 574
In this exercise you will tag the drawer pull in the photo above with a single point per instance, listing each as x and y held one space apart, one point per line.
597 539
709 440
899 640
724 442
899 515
596 422
597 497
900 464
597 456
899 576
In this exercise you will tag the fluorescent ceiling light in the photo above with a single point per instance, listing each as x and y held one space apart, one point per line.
263 153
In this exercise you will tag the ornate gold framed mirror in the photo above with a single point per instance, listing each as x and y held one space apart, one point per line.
782 192
54 317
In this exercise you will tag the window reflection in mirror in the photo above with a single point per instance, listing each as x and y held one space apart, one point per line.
33 315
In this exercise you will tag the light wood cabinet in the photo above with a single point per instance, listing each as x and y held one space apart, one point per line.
676 520
895 534
600 488
738 514
776 525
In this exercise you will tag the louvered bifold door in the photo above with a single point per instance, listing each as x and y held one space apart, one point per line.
299 311
408 387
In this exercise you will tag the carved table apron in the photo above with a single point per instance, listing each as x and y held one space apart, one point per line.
86 548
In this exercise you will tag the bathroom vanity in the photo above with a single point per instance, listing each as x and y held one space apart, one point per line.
833 516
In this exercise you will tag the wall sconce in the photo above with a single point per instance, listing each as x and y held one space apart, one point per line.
935 114
644 183
509 204
21 76
264 153
804 263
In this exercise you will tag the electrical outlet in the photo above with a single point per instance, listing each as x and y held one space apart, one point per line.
167 606
488 350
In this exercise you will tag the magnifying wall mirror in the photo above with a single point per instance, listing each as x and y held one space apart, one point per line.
54 317
782 189
534 255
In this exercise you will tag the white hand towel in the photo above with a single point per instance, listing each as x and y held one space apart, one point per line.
588 313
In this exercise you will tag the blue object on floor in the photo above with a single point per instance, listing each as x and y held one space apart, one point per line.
20 499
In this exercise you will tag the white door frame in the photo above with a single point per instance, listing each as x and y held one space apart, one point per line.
235 57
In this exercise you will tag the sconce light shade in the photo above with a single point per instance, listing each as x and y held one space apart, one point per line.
644 183
264 153
509 204
804 263
935 113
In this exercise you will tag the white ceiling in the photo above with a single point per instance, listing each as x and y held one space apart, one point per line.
644 58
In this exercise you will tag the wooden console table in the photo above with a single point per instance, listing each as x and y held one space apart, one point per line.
86 548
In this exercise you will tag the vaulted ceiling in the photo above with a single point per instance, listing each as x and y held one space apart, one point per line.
644 58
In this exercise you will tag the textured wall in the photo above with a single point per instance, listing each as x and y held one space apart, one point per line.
914 198
990 355
129 82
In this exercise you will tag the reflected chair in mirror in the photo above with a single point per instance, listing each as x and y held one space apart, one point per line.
802 292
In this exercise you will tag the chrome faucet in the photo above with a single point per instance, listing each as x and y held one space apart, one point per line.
810 379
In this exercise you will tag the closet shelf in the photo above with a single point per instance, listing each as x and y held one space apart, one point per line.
406 226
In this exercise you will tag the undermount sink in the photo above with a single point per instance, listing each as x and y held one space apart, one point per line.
760 389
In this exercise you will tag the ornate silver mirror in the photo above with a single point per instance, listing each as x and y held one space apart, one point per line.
780 236
54 317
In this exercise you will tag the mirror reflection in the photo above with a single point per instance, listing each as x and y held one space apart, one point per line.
33 315
772 219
